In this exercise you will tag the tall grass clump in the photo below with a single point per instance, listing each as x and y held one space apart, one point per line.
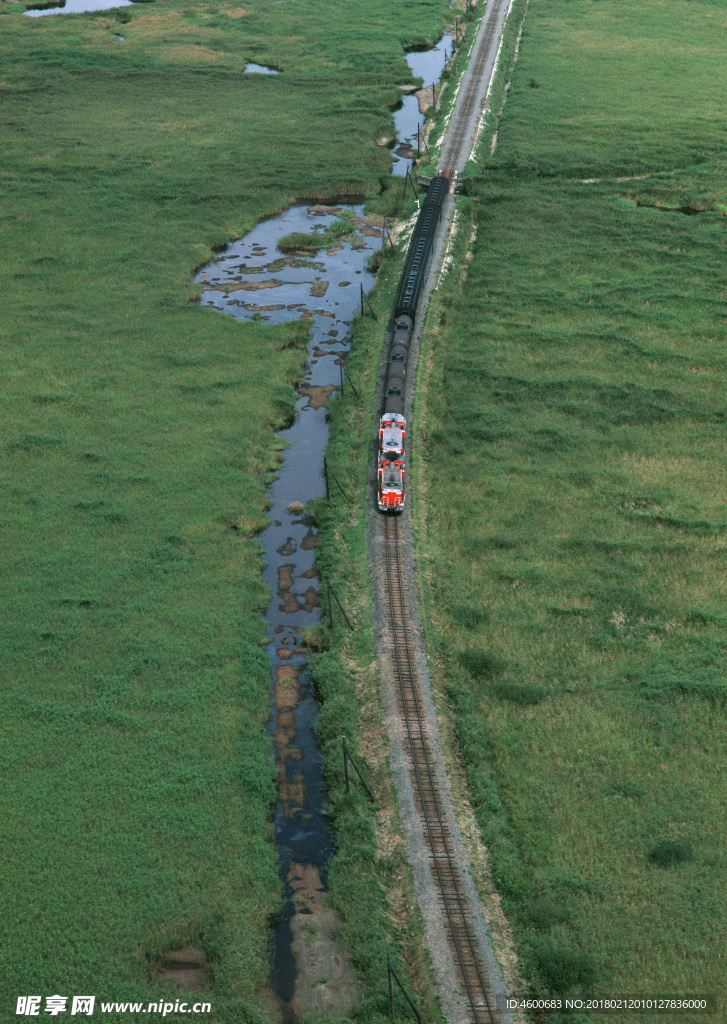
666 853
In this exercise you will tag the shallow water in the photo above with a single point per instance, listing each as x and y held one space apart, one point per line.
429 64
426 64
324 288
79 6
259 69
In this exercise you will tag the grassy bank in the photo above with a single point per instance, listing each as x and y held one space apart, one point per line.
574 548
137 444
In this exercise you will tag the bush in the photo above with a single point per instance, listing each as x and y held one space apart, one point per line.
562 969
525 694
482 664
469 614
498 542
545 911
667 853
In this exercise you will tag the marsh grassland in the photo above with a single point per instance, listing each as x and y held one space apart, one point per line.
137 442
572 498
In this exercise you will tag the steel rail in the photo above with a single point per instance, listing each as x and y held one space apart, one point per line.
445 872
465 107
426 787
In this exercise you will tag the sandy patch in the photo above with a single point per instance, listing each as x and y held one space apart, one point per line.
310 541
325 985
334 211
287 687
425 98
311 599
292 792
247 286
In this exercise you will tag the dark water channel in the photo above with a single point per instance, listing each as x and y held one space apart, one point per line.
426 64
255 279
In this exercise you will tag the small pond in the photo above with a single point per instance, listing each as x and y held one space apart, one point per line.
75 6
259 69
429 64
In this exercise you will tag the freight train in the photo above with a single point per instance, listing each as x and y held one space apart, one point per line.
392 427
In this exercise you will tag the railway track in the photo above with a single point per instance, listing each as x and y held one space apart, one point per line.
467 111
469 978
444 867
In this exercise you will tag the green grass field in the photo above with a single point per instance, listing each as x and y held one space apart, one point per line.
574 477
137 429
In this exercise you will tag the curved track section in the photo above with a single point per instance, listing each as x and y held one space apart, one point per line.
426 794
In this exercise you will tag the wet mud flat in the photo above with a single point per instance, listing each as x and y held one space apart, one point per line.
252 278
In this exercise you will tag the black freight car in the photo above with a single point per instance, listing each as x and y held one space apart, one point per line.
405 311
420 249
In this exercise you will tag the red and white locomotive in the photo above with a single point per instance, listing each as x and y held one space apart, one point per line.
392 432
391 469
391 483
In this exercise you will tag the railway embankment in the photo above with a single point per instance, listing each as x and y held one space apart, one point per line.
370 881
440 937
574 391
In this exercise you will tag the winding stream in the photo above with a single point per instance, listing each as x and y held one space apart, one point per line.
250 279
253 278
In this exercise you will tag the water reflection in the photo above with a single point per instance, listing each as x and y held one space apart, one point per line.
75 7
429 64
259 69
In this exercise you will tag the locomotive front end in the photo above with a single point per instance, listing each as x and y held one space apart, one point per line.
391 484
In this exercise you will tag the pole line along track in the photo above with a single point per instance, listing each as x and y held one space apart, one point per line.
426 793
469 979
